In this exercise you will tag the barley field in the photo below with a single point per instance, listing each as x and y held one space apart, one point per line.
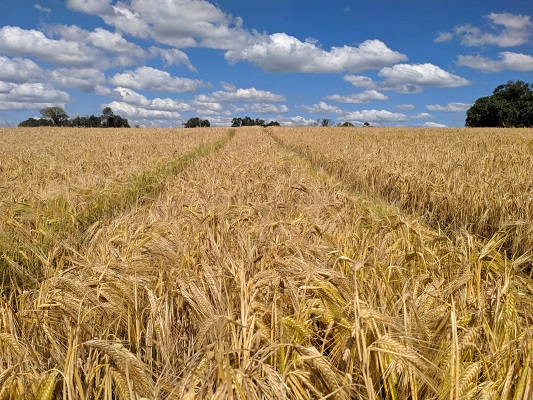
266 263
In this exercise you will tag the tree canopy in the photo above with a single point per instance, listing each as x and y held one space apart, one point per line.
247 121
510 105
56 116
196 122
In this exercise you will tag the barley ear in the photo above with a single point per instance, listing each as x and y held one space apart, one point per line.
47 386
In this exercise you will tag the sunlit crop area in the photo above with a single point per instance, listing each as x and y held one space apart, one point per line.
259 263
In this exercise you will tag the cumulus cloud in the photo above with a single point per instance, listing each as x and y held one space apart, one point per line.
412 78
139 113
136 99
431 125
88 80
360 81
29 96
112 43
204 105
251 94
422 116
449 108
15 41
148 78
19 70
296 121
264 108
358 98
373 116
405 107
228 87
507 61
509 30
283 53
114 50
320 108
99 7
173 57
178 23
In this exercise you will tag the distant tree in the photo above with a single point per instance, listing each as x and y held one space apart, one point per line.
247 121
367 124
107 116
118 122
273 123
196 122
110 120
346 125
32 122
510 105
57 115
86 122
324 122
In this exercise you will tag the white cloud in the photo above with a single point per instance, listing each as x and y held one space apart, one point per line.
264 108
29 96
228 87
119 51
283 53
178 23
321 108
515 31
148 78
444 37
431 125
422 116
218 120
41 8
19 70
450 107
405 107
508 61
296 121
358 98
112 43
138 112
136 99
6 87
207 106
251 94
89 80
172 57
412 78
360 81
16 41
374 116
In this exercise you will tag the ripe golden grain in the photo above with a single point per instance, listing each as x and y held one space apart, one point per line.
223 263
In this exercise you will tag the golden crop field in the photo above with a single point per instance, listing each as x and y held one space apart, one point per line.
253 263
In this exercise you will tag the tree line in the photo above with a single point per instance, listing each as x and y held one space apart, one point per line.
510 105
56 116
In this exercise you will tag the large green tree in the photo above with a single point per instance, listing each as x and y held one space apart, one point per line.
510 105
196 122
57 115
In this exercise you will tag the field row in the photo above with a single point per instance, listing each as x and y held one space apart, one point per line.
94 176
253 274
476 180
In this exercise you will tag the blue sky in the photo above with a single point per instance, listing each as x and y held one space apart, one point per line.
158 63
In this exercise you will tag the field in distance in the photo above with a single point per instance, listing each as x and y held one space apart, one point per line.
266 263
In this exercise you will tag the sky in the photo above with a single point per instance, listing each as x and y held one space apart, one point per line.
414 63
